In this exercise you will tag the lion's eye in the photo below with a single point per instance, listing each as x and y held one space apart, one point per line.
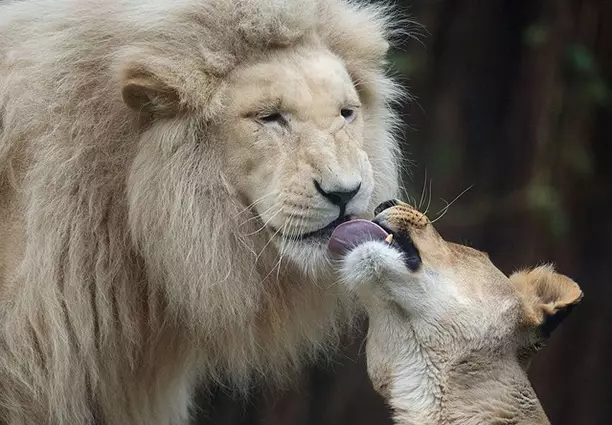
276 118
272 117
348 114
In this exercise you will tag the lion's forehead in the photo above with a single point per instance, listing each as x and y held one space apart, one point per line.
294 80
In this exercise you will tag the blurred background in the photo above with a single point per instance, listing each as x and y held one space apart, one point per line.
512 99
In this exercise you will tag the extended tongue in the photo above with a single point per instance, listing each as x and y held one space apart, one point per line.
351 233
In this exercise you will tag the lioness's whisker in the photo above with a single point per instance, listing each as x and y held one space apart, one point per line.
444 210
420 204
429 198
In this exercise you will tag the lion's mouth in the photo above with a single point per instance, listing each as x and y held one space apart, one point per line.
322 233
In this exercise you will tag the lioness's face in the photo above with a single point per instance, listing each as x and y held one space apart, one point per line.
454 287
476 326
294 137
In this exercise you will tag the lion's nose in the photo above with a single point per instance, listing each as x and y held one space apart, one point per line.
339 197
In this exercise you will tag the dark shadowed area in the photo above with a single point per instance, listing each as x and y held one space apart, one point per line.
513 98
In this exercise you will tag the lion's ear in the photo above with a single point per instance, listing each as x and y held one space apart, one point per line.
549 297
144 92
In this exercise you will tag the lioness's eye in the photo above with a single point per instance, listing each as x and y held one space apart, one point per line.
348 114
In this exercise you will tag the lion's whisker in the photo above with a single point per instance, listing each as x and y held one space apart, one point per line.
268 242
263 226
258 216
282 247
254 203
290 234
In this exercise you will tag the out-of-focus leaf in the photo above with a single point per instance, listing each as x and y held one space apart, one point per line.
579 159
599 91
581 58
545 200
404 63
558 223
535 35
542 196
446 159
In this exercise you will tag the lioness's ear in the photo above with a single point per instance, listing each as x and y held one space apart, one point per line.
144 92
549 297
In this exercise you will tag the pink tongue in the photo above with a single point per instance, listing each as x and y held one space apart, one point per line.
350 234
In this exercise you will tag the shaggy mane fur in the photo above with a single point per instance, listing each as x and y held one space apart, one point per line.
124 275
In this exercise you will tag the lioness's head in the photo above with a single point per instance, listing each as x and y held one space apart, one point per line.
450 335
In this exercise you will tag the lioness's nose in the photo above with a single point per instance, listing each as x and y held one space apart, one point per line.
339 197
405 213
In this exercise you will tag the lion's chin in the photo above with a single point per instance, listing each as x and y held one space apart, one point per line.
309 256
309 253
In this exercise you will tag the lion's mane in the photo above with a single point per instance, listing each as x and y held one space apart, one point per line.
124 276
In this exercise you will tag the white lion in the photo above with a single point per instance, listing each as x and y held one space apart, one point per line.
170 172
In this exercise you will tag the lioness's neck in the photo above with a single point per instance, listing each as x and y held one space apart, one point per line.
415 393
404 373
431 391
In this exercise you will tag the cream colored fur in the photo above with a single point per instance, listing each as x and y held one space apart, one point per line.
449 342
143 194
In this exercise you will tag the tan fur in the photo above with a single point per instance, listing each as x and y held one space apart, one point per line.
141 194
450 341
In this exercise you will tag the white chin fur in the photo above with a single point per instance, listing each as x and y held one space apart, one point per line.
372 263
311 256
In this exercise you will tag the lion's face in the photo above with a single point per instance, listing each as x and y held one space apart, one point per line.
294 147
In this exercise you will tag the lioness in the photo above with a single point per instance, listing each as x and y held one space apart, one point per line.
450 336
